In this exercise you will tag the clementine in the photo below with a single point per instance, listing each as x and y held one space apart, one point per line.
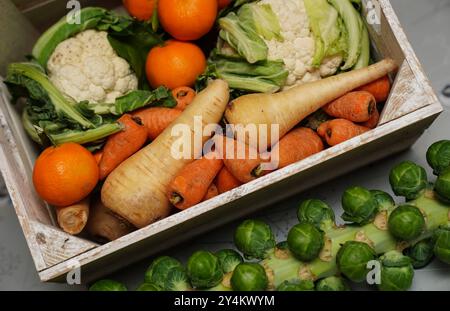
66 174
140 9
187 19
175 64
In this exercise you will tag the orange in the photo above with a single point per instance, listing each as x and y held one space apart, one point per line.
175 64
140 9
65 174
223 3
187 19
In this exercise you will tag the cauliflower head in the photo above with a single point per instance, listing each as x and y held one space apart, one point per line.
86 68
298 47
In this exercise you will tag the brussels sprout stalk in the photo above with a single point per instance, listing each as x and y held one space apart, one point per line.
281 265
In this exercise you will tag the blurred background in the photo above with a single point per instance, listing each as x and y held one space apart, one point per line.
425 22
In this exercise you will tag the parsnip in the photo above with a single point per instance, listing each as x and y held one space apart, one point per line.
290 107
73 219
137 189
104 226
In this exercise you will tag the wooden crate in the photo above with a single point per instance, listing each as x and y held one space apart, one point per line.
411 108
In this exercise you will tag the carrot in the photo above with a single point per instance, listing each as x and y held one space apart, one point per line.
157 119
98 156
211 193
122 145
137 189
240 159
225 181
379 89
373 121
339 130
73 219
104 226
184 96
191 185
297 145
354 106
288 108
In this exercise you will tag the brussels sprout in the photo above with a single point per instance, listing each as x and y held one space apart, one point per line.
296 286
408 179
204 270
229 259
316 212
442 185
148 287
438 156
249 277
421 253
332 284
283 245
397 272
254 239
107 286
359 205
384 200
352 259
406 223
442 244
305 241
177 280
160 269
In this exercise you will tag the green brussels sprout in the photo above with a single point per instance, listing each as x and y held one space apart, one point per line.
107 286
442 185
359 205
406 222
421 253
438 156
408 179
305 241
204 270
148 287
397 272
229 259
384 200
177 280
316 212
254 239
442 244
249 277
159 270
296 286
352 259
332 284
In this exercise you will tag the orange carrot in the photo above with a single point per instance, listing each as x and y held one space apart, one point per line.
373 121
225 181
98 156
339 130
241 160
191 185
157 119
184 96
122 145
211 193
354 106
379 89
297 145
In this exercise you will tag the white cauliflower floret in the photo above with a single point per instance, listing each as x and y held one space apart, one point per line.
298 47
86 67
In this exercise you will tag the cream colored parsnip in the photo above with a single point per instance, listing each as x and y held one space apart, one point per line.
288 108
137 189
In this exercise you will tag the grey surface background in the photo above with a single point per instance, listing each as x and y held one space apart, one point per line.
427 24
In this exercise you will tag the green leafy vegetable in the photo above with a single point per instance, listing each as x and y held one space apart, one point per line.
261 19
397 272
406 222
254 239
107 286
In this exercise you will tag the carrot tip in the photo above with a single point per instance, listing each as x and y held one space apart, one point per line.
175 198
257 171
